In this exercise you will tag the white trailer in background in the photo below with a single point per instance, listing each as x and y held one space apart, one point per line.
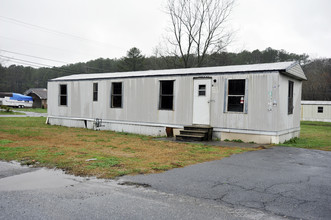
316 111
15 100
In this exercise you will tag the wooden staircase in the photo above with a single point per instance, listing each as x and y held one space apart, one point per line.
195 133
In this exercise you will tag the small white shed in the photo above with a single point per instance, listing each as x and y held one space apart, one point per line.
316 111
259 102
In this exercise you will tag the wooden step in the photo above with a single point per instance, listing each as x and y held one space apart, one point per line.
197 127
185 137
193 132
196 133
204 134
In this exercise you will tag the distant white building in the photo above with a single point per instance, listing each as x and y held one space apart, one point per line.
316 111
259 102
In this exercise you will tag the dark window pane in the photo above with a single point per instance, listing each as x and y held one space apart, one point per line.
63 95
117 88
63 100
290 97
166 102
234 104
319 109
237 87
117 102
167 87
166 95
95 91
116 96
63 89
202 90
95 96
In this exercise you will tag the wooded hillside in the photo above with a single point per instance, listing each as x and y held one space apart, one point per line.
17 78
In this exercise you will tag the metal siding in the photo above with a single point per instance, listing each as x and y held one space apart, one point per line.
309 113
257 117
287 121
141 101
297 71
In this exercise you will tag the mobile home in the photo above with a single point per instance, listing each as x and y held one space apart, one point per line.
259 102
316 111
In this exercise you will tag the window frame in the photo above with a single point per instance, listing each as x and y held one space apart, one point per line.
290 95
202 90
112 95
227 95
63 95
161 95
95 91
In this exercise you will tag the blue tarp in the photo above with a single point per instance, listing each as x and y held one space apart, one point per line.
20 97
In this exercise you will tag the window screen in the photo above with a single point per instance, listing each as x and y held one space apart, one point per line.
236 95
63 95
166 95
116 95
95 91
290 97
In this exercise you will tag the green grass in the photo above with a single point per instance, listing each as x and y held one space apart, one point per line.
104 154
313 135
37 110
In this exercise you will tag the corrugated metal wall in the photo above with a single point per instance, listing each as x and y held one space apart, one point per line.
310 113
266 101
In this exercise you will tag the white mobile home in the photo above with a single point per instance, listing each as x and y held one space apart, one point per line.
259 103
316 111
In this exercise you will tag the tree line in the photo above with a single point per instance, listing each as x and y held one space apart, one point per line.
17 78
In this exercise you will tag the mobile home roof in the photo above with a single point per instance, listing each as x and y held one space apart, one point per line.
315 102
292 69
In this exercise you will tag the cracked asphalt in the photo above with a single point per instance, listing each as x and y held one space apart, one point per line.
287 182
275 183
34 193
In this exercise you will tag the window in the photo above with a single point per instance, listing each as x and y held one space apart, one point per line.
95 92
236 95
116 95
166 95
290 97
202 90
320 109
63 95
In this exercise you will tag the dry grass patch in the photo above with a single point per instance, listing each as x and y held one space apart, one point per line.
104 154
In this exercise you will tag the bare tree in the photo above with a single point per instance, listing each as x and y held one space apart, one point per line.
198 27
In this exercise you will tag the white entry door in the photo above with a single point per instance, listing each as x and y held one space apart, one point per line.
201 101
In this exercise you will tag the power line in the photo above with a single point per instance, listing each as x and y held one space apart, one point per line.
29 25
40 45
89 67
42 65
34 56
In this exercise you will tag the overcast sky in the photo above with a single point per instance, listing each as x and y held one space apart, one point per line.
77 31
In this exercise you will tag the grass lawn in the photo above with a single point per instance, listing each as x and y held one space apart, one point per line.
313 135
11 113
104 154
37 110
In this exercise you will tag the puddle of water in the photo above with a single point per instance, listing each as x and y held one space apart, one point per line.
39 179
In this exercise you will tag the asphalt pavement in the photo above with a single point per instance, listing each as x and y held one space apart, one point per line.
30 193
288 182
275 183
27 114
